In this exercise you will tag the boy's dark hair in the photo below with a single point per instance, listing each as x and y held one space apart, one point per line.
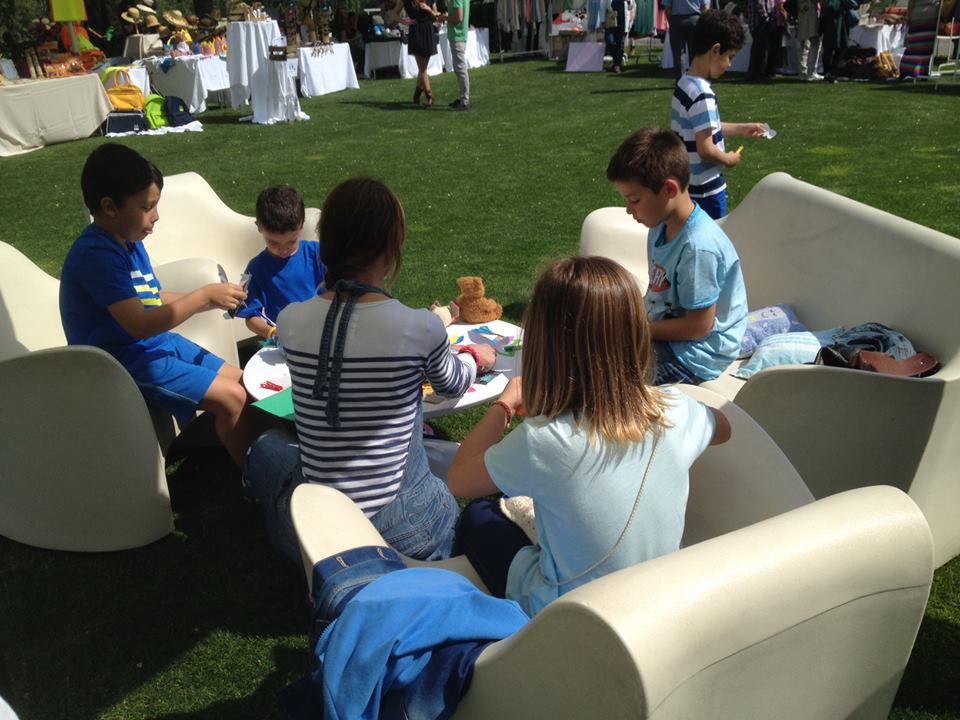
716 27
280 209
115 171
361 221
649 157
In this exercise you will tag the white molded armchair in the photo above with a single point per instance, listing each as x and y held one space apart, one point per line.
778 606
82 458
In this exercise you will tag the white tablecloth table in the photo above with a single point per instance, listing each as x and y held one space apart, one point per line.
269 364
329 72
138 76
35 113
881 37
393 53
265 83
190 78
478 49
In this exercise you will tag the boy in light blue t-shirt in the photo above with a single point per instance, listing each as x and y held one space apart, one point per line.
696 299
288 270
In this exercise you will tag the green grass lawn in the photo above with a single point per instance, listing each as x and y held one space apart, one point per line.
207 623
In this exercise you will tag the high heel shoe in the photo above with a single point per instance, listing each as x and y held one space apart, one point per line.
429 97
416 95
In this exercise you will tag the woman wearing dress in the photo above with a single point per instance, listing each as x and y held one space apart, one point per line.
422 42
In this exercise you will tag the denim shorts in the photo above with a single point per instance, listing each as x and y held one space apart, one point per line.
419 522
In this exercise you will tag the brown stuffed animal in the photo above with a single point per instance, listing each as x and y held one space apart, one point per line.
474 307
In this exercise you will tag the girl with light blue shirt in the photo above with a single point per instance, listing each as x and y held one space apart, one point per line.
603 455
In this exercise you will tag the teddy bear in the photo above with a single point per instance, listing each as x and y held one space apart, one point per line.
474 307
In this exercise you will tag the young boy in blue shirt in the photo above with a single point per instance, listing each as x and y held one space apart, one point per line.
288 270
110 298
696 299
717 38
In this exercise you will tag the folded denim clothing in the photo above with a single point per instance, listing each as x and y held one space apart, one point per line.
877 337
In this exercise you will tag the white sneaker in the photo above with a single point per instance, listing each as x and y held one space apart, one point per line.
814 78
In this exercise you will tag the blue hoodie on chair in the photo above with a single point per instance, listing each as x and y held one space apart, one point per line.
403 647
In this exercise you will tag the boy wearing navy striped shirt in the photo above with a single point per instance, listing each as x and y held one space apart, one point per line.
717 38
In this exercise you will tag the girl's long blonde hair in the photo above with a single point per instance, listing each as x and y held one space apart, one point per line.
586 349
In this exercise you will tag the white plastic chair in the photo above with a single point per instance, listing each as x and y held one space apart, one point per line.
777 606
82 456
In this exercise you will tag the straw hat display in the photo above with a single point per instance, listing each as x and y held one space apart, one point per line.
175 19
132 16
164 32
145 10
151 23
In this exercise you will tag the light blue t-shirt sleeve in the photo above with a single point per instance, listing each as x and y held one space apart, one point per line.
699 427
699 275
508 462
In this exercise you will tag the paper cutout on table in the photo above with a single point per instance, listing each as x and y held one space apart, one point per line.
279 404
484 335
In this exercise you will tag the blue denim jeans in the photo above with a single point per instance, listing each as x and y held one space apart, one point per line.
669 369
420 522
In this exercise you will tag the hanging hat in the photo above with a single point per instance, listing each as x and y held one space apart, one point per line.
145 10
131 15
175 19
193 20
151 22
163 31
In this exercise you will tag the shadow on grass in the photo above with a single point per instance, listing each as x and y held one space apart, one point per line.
921 87
215 575
931 682
514 311
402 105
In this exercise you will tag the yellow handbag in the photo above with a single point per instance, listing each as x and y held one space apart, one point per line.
124 95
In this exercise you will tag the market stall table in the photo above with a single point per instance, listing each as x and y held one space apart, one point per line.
880 37
191 78
326 71
478 49
741 61
35 113
255 78
393 53
269 365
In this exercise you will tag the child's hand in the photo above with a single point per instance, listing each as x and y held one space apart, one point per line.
488 356
227 296
731 159
754 130
513 394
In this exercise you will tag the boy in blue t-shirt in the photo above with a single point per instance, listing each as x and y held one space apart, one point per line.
717 38
288 270
696 299
110 298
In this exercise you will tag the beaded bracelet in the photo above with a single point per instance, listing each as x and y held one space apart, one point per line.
507 409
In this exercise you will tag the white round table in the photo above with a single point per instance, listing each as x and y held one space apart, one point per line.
269 365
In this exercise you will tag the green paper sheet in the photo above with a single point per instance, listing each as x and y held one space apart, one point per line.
279 404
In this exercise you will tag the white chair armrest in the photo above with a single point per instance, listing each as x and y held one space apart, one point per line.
808 614
209 329
81 466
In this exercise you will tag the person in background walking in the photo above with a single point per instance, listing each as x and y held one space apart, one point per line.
683 16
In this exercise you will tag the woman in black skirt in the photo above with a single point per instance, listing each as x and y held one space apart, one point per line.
422 42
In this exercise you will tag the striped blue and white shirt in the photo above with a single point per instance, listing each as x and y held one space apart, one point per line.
694 108
390 350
